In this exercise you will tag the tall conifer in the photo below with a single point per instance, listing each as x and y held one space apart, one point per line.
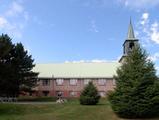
15 68
137 89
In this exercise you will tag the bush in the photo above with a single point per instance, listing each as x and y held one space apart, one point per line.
89 95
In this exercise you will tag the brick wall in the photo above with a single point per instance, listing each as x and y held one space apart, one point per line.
71 90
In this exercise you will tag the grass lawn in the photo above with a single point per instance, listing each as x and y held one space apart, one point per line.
68 111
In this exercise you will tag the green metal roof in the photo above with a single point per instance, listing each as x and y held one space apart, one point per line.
77 70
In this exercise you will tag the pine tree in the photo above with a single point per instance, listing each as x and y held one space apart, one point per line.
15 68
89 95
6 71
137 88
23 65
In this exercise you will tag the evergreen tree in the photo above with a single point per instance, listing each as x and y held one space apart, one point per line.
23 65
6 71
137 90
15 68
89 95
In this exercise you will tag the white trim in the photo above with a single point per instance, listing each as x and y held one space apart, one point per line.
59 81
102 82
73 81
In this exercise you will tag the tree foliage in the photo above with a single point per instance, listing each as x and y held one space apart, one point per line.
137 88
89 95
15 68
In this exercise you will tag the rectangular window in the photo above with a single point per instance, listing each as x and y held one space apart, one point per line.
45 93
101 81
46 82
73 94
86 81
73 81
59 81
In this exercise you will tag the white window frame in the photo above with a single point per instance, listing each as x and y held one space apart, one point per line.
86 81
59 81
73 81
102 82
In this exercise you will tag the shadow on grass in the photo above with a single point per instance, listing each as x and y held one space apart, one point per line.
11 109
152 117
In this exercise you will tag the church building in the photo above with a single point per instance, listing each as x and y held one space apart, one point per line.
71 78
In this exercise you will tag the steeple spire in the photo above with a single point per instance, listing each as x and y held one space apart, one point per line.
130 31
129 43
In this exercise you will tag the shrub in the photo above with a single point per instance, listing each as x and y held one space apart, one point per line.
89 95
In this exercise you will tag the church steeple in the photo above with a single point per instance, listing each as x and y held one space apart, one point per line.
130 34
129 43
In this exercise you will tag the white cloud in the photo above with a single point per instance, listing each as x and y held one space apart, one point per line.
101 61
157 68
93 26
3 22
14 9
91 61
6 26
27 48
139 4
148 30
14 19
144 18
154 57
155 32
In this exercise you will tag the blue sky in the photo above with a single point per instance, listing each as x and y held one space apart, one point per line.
80 30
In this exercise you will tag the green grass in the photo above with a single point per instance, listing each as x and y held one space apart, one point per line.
68 111
36 99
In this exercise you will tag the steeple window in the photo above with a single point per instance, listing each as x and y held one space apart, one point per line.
131 45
